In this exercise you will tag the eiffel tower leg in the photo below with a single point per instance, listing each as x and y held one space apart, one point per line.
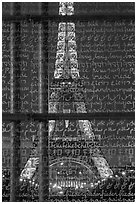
99 161
84 125
53 108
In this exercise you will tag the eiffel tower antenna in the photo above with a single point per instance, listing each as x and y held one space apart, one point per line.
66 75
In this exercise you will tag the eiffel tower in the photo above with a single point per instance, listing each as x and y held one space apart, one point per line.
67 95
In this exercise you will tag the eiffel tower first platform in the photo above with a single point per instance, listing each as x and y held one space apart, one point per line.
75 158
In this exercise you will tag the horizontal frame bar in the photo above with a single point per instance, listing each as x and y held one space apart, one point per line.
58 18
68 116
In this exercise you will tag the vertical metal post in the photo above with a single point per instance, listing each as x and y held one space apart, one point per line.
11 63
15 127
40 69
14 163
43 163
43 126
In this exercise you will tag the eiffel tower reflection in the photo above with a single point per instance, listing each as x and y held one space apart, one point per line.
75 159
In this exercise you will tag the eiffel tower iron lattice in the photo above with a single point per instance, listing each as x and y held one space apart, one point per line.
66 95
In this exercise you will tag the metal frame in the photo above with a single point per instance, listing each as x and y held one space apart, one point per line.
44 117
72 116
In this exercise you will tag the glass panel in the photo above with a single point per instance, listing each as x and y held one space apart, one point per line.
25 50
6 60
107 75
105 54
108 71
73 156
104 8
28 132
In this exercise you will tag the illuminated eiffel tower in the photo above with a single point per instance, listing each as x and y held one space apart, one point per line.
66 95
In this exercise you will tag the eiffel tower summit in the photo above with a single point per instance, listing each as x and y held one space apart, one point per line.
75 158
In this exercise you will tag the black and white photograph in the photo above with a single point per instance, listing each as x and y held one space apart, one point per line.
68 101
